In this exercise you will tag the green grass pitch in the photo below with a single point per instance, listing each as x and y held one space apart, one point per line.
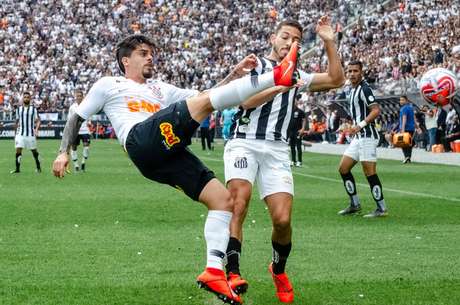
111 237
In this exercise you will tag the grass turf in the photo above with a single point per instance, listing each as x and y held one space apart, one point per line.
109 236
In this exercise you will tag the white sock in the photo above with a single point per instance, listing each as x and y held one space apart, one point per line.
85 154
74 155
217 234
239 90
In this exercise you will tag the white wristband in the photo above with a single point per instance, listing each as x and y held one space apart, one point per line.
362 124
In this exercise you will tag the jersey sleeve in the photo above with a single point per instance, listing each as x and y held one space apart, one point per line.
174 94
368 96
95 100
306 78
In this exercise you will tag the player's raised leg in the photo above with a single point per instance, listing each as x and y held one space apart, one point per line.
237 91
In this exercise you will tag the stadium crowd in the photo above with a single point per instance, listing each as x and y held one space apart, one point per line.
51 47
398 45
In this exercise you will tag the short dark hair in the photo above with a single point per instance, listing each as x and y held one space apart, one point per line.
356 63
405 97
289 22
127 46
26 93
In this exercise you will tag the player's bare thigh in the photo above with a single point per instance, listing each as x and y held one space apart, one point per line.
216 197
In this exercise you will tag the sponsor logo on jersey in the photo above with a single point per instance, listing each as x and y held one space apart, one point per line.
168 133
142 106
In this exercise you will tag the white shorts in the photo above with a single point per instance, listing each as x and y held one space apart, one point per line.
29 142
363 149
266 161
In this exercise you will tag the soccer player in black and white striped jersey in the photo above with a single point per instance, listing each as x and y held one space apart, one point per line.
27 124
258 150
364 109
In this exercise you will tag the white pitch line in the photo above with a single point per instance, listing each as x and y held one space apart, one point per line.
363 185
384 188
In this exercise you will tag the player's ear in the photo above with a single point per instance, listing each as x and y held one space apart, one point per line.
272 38
125 61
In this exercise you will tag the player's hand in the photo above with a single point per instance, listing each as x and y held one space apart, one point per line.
324 29
283 89
354 130
246 65
60 165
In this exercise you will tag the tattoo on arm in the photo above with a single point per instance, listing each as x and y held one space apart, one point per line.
70 132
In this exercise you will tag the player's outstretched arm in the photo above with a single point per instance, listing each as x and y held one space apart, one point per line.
241 69
69 136
334 78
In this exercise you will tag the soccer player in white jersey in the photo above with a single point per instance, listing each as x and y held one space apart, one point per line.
258 151
364 109
27 125
155 121
83 136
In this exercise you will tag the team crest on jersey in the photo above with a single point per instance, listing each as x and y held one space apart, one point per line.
168 133
157 92
241 162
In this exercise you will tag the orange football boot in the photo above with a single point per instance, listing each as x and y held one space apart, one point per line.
285 72
237 283
214 280
284 290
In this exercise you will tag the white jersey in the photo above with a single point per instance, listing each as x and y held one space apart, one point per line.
269 121
84 126
126 102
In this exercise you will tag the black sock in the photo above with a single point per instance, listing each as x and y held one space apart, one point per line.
18 161
233 256
376 190
280 256
37 162
350 187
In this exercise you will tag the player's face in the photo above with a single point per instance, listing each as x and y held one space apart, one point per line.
354 74
141 61
78 97
281 41
26 99
402 101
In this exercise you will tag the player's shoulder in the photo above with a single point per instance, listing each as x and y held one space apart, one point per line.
111 81
365 85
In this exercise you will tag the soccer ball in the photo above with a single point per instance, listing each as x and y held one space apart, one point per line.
438 85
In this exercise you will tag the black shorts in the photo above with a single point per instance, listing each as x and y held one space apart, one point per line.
158 148
85 138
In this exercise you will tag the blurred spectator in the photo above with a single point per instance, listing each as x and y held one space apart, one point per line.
431 125
406 124
420 138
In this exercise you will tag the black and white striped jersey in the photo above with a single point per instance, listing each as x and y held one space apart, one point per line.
361 98
269 121
26 116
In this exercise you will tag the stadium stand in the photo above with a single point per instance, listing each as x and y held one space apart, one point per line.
52 47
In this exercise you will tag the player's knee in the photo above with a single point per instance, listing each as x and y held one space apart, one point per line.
227 202
282 223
